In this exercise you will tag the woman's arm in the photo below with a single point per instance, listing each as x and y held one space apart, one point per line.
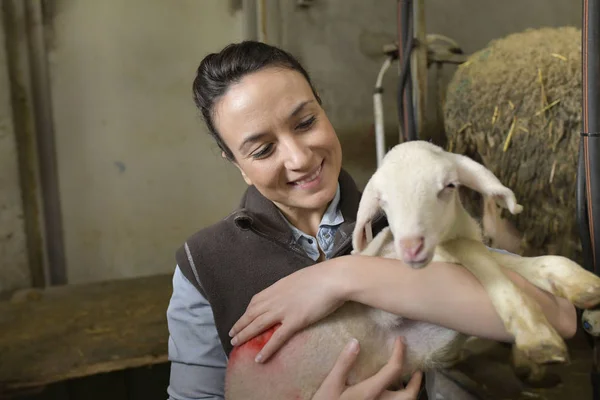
198 361
442 293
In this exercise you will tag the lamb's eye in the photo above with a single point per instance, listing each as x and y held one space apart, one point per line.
447 190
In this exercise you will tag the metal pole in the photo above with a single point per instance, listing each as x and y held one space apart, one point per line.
419 67
588 173
40 85
405 102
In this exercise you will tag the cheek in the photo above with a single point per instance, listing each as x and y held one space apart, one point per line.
263 173
332 149
327 138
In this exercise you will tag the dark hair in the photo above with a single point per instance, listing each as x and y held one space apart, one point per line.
218 71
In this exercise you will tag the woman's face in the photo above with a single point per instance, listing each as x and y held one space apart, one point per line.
281 139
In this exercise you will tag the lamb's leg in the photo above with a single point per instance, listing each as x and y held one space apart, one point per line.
522 316
557 275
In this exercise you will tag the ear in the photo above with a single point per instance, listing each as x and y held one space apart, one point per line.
367 208
477 177
502 233
246 179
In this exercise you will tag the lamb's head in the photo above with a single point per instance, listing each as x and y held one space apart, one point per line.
416 186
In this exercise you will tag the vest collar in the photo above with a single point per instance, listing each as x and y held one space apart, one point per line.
258 213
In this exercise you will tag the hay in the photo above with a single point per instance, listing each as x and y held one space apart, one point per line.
515 106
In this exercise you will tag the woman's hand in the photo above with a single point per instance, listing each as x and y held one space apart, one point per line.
296 301
334 386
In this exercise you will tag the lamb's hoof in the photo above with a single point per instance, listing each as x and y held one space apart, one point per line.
545 352
586 296
532 374
538 378
591 322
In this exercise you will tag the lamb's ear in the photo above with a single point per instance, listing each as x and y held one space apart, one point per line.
477 177
367 208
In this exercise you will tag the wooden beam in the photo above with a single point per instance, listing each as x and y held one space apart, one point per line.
71 331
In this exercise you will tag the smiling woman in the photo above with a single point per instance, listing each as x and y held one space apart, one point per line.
282 259
282 142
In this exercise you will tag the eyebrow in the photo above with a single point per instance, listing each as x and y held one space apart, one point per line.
299 107
258 136
251 139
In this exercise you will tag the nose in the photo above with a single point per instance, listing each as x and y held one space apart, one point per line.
298 154
411 246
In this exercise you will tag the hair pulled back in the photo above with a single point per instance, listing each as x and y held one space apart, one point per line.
218 71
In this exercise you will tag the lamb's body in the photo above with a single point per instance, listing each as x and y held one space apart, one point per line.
297 370
415 187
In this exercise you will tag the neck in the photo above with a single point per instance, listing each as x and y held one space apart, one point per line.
307 220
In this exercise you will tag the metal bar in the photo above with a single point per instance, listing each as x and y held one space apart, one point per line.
42 101
591 124
25 136
419 66
447 58
405 46
588 173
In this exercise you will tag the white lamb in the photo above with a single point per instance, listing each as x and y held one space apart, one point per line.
416 188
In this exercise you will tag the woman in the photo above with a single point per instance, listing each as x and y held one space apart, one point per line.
285 250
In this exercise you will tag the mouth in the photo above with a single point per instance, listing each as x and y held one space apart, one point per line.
310 179
421 263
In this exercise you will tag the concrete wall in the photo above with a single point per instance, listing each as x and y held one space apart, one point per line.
138 173
14 272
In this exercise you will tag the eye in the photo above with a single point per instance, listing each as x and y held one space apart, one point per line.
263 151
307 124
447 189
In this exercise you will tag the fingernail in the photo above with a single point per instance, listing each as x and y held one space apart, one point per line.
258 358
353 346
234 341
231 333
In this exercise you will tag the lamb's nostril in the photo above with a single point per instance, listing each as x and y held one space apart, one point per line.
412 246
418 246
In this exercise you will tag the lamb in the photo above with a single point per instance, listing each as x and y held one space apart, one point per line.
416 188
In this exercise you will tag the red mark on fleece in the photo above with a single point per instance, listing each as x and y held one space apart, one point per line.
251 348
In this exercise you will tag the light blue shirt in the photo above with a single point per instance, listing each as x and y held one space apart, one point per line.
198 361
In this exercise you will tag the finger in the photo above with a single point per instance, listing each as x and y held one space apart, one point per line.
410 393
339 372
390 373
279 337
413 387
257 326
251 313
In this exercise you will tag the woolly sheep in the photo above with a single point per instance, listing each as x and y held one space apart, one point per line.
492 113
416 188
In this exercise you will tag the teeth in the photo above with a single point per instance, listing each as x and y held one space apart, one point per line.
310 178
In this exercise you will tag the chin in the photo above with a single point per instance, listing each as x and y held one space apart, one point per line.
420 263
319 200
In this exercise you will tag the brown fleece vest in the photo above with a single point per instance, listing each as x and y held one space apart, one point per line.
239 256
